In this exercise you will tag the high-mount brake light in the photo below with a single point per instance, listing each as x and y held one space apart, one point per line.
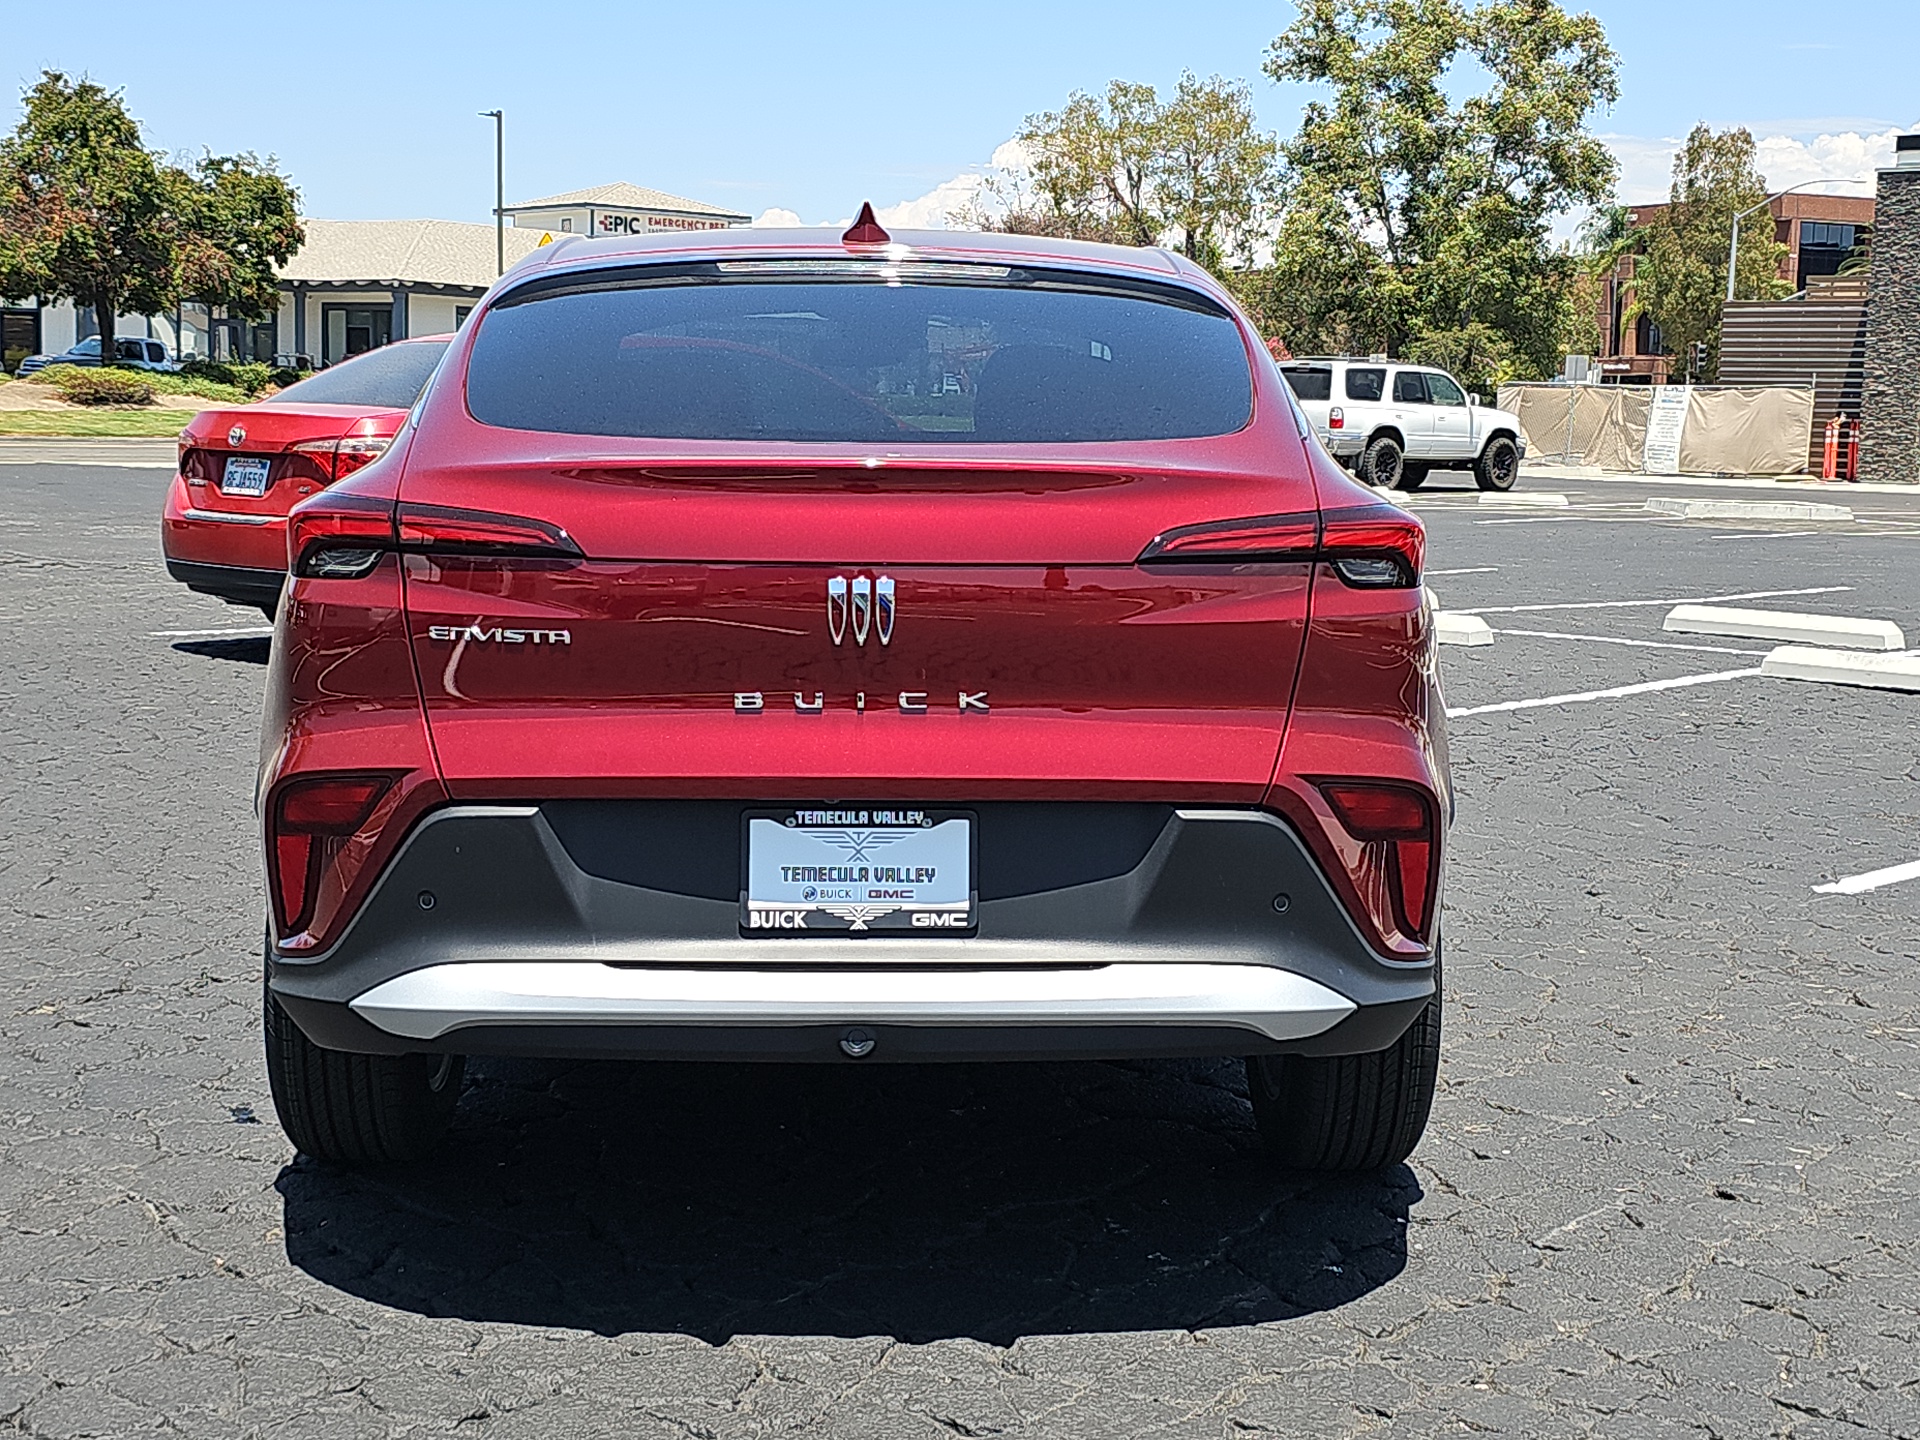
337 459
1395 825
311 823
1368 546
342 537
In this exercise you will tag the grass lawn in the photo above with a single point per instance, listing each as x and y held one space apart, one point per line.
93 422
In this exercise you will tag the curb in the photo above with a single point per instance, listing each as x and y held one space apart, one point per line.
1829 630
1747 509
1451 629
1843 667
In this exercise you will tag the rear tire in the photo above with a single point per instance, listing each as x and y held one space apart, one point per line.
1382 462
1412 475
1498 466
1349 1112
357 1109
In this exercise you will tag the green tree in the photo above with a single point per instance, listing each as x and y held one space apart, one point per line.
1132 169
239 223
84 206
1411 218
1680 279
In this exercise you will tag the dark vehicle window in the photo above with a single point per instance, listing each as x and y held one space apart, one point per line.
390 377
1365 384
1309 382
1443 391
1022 357
1409 388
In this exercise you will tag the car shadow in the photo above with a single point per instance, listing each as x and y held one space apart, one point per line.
918 1202
252 650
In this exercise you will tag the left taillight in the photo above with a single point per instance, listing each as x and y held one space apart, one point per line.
310 826
1396 866
337 459
342 537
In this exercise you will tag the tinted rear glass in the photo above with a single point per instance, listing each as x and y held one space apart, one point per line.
390 377
1023 357
1309 382
1365 384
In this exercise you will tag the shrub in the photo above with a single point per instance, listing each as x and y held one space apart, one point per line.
252 376
100 387
197 386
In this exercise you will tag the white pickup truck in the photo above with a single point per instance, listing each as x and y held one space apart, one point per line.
1392 423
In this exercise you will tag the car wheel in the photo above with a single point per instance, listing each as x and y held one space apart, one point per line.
1499 464
1412 476
357 1109
1382 461
1349 1112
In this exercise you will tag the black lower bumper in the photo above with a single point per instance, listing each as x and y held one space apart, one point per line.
236 584
599 928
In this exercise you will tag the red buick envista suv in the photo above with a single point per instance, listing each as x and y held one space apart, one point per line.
761 645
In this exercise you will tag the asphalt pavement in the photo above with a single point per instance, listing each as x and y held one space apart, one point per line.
1671 1185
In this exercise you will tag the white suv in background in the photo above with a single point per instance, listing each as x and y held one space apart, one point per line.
1392 423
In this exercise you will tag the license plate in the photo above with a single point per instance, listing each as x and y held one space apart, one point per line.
861 871
244 477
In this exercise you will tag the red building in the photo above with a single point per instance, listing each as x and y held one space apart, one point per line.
1819 232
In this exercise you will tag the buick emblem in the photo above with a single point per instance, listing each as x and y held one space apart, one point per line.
862 605
237 436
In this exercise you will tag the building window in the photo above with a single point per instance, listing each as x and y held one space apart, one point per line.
566 224
460 314
1825 235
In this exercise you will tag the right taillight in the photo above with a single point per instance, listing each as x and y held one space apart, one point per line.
311 824
1369 546
1399 843
337 459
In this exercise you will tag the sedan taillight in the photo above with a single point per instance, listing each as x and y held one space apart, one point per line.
337 459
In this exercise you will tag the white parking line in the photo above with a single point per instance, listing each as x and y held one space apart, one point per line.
1872 880
1639 644
1470 570
1680 600
1648 687
1770 535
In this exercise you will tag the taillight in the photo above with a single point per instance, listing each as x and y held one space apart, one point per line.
338 537
337 459
1395 825
311 824
1370 546
1374 546
1264 537
343 536
1336 419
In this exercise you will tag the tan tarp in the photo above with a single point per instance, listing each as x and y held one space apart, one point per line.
1730 431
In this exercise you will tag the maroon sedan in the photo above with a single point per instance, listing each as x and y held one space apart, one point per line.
224 531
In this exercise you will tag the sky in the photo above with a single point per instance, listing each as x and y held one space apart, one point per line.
791 111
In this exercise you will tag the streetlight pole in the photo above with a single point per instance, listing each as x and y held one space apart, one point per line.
1733 249
500 191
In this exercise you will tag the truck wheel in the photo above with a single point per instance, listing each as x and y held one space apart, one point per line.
357 1109
1349 1112
1382 461
1412 475
1499 464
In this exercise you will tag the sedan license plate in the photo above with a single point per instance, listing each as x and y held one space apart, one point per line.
244 477
858 871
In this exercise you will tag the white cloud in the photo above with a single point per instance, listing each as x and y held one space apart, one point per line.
964 193
1844 160
778 219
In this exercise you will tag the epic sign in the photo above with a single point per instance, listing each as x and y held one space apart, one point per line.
614 224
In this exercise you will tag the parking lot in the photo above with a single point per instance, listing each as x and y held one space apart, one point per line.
1671 1185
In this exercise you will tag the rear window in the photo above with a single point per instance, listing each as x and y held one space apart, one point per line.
390 377
860 352
1309 382
1366 384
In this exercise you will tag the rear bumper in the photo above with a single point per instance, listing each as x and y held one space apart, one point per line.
236 583
195 535
522 930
